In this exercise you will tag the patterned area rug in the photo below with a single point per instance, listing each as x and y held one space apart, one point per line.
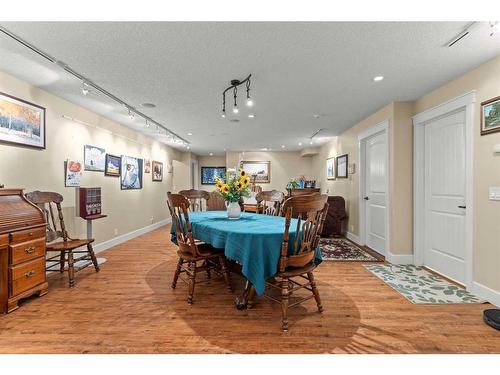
342 249
421 286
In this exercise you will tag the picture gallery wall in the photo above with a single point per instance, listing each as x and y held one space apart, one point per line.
54 145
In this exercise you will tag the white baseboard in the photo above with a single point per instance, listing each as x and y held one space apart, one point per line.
354 238
128 236
482 291
399 259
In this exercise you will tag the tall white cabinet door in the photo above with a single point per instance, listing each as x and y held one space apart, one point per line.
375 192
445 196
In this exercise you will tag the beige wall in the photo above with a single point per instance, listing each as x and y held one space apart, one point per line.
284 166
486 81
44 169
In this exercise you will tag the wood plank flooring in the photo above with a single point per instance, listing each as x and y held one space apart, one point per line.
129 307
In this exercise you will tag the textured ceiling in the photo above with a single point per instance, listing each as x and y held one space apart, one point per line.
298 69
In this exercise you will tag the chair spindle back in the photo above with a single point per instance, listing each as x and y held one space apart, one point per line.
269 202
196 198
178 206
46 201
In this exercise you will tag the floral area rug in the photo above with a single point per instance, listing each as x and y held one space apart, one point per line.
342 249
420 286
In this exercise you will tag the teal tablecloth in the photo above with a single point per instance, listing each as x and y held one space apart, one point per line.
253 240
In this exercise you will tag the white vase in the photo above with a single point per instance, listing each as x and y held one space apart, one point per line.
233 210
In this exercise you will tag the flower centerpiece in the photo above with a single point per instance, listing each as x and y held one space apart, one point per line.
232 189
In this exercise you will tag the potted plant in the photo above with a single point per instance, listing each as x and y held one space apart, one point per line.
232 189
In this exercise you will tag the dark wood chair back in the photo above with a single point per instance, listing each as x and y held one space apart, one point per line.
215 202
49 203
178 206
196 198
269 202
310 211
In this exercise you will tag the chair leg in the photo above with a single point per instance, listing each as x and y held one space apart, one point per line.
192 281
177 273
71 269
93 257
207 264
62 260
284 305
315 291
226 273
251 297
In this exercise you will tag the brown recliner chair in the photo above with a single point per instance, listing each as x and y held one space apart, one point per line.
335 218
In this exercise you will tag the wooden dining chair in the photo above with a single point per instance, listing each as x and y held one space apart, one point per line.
297 260
215 202
191 251
269 202
58 240
197 198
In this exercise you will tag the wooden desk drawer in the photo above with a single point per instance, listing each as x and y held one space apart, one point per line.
27 250
27 235
4 240
27 275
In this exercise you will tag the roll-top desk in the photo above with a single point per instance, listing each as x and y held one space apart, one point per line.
22 249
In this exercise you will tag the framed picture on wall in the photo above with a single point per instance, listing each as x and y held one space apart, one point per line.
260 169
147 166
73 170
341 166
94 158
209 174
157 171
130 173
330 168
490 116
21 122
113 165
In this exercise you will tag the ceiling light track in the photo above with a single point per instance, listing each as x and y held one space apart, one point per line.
89 82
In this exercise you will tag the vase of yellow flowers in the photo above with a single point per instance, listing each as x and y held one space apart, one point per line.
232 189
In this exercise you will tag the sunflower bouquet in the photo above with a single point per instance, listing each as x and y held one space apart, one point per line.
234 186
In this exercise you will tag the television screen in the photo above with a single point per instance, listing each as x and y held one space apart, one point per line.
209 174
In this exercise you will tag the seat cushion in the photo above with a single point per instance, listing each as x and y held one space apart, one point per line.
296 271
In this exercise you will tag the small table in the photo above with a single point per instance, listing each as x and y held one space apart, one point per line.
254 241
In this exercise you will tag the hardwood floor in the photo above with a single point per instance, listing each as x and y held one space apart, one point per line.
129 307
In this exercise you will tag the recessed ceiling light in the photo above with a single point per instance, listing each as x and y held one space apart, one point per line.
148 105
264 148
188 147
300 143
378 78
316 116
251 115
283 146
190 133
211 154
311 142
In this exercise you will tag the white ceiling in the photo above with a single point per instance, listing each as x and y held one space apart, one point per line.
298 69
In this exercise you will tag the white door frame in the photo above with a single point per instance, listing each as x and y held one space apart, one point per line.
380 128
465 101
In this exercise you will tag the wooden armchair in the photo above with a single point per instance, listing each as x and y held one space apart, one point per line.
67 247
297 260
269 202
196 198
215 202
192 251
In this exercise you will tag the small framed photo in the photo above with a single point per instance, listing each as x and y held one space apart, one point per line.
113 164
94 158
147 166
21 122
490 116
342 162
157 171
330 168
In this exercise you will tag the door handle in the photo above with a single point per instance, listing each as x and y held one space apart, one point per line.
366 198
462 206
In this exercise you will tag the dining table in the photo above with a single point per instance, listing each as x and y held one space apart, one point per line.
253 241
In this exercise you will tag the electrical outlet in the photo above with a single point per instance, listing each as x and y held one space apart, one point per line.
116 232
152 219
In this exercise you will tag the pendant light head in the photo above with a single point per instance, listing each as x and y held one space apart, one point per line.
249 102
236 110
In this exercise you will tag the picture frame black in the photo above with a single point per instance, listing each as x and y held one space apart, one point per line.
207 172
341 166
131 179
114 160
9 139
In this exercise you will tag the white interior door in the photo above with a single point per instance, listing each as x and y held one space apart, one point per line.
444 242
375 198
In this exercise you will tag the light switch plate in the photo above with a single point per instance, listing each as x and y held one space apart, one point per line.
494 193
